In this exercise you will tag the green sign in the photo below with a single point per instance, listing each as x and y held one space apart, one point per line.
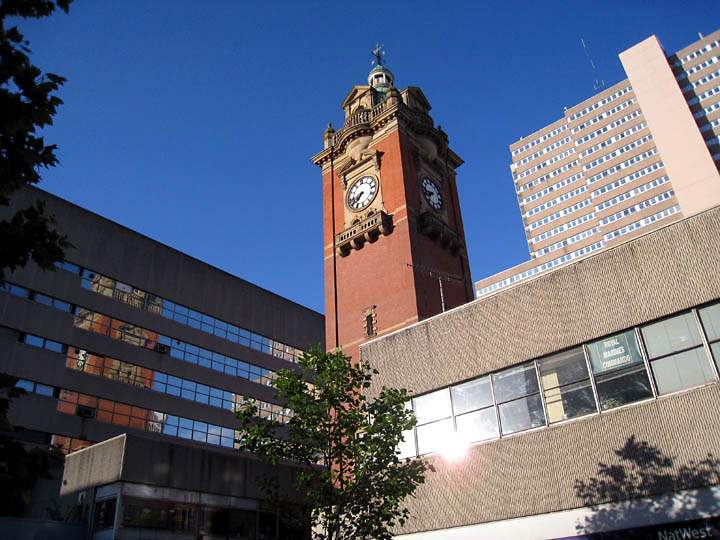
613 352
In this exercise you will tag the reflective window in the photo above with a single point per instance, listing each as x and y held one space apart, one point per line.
140 299
434 419
620 374
147 339
123 414
710 317
676 353
432 406
475 416
518 397
566 384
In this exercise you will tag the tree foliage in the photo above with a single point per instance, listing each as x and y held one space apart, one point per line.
345 444
20 467
27 105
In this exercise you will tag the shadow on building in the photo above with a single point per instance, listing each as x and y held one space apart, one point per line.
679 497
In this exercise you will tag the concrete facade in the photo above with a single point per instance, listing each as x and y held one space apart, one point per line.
142 364
536 472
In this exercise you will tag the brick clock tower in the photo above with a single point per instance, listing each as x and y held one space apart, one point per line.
394 245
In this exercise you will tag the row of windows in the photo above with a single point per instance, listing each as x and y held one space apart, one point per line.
628 367
662 197
557 200
685 74
549 148
623 165
122 414
695 54
557 215
704 96
613 139
132 374
552 174
598 104
612 125
147 339
568 241
546 163
702 80
627 179
630 194
68 445
602 116
562 228
184 315
618 151
642 223
562 183
707 110
542 138
541 268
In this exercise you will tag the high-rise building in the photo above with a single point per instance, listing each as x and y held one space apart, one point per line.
394 244
636 156
129 336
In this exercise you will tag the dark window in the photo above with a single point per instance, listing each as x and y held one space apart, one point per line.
620 374
105 514
676 354
710 317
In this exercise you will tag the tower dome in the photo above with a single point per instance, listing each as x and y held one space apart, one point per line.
380 77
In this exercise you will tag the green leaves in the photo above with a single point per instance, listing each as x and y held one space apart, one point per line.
27 104
353 480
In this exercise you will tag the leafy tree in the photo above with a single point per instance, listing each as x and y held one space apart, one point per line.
27 105
20 468
345 444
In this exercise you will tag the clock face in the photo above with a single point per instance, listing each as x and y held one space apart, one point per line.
362 193
432 193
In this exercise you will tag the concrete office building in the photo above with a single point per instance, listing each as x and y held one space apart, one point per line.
640 154
132 336
584 403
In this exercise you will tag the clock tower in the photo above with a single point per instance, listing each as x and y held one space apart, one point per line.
394 245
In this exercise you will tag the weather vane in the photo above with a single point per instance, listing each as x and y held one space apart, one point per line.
378 53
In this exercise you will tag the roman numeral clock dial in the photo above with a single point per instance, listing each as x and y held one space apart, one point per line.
432 194
362 193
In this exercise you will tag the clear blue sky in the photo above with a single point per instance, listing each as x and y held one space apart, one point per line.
194 122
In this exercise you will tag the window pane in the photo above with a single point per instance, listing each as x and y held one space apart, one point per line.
570 401
612 352
623 386
431 437
710 317
670 335
478 426
716 353
432 406
563 368
407 445
682 370
472 395
521 414
35 341
515 382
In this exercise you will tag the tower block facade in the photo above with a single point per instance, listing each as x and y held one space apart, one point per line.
394 245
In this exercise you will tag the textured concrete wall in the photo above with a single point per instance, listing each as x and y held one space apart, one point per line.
95 466
666 271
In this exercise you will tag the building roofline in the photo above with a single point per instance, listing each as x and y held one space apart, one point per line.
182 253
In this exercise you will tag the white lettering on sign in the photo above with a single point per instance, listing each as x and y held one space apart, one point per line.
682 533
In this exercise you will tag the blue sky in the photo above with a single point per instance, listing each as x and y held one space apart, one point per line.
194 122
